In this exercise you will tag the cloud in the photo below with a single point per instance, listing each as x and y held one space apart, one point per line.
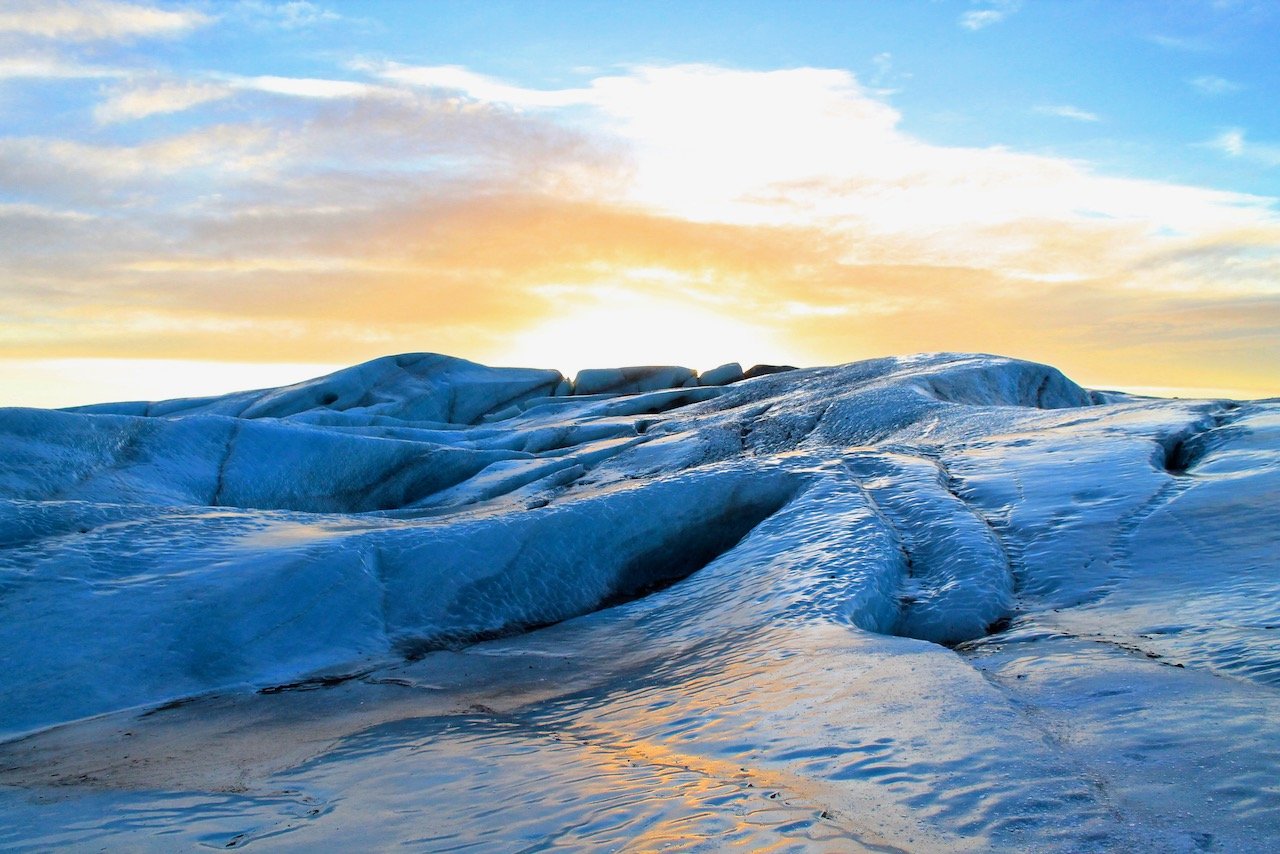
479 87
885 79
883 64
810 146
991 12
39 214
140 99
293 15
437 208
1066 111
305 87
1232 143
60 171
51 67
1180 43
1211 85
95 20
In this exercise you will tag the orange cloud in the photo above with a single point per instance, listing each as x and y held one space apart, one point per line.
783 211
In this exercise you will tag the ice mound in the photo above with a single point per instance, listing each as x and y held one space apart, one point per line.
438 525
922 548
411 387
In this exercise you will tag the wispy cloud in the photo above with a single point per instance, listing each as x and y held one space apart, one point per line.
139 99
1211 85
1066 111
1232 143
1188 44
304 87
789 204
95 20
291 15
990 12
478 86
55 171
885 78
51 67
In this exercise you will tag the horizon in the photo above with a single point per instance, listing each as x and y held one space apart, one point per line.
196 194
60 383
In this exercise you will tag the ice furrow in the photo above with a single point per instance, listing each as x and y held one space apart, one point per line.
961 583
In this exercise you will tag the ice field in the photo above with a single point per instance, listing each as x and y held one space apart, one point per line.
937 603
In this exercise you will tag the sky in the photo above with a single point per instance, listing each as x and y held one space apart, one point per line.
197 197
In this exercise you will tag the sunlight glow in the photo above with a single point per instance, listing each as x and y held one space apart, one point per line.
622 327
76 382
690 212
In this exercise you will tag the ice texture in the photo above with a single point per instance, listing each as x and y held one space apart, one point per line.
939 602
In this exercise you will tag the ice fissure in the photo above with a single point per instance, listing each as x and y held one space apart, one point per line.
1181 449
215 500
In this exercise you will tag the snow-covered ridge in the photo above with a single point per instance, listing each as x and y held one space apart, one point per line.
152 551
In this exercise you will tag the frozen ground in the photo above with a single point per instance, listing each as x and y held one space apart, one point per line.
941 603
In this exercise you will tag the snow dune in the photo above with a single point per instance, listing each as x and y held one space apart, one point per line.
992 554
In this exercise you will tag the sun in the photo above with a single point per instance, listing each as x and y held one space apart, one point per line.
631 328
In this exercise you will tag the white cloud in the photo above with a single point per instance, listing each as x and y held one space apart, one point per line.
795 193
812 148
293 15
95 20
148 96
51 67
885 79
1182 43
1066 111
992 12
1232 143
305 87
1211 85
804 148
299 13
29 211
153 97
67 169
883 63
477 86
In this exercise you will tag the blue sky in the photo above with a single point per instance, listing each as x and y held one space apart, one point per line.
1088 183
1160 78
1142 89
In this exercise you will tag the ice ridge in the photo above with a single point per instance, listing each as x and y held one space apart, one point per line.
158 550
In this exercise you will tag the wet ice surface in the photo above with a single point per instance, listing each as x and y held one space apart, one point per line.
937 603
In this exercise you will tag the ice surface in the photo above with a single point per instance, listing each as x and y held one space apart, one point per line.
730 372
942 602
630 380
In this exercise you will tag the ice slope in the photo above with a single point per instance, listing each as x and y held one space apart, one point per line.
944 602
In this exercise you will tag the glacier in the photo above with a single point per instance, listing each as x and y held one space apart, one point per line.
946 602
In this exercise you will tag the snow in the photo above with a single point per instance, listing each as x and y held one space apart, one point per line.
951 602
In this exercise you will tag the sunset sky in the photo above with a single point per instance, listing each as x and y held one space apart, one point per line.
200 196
